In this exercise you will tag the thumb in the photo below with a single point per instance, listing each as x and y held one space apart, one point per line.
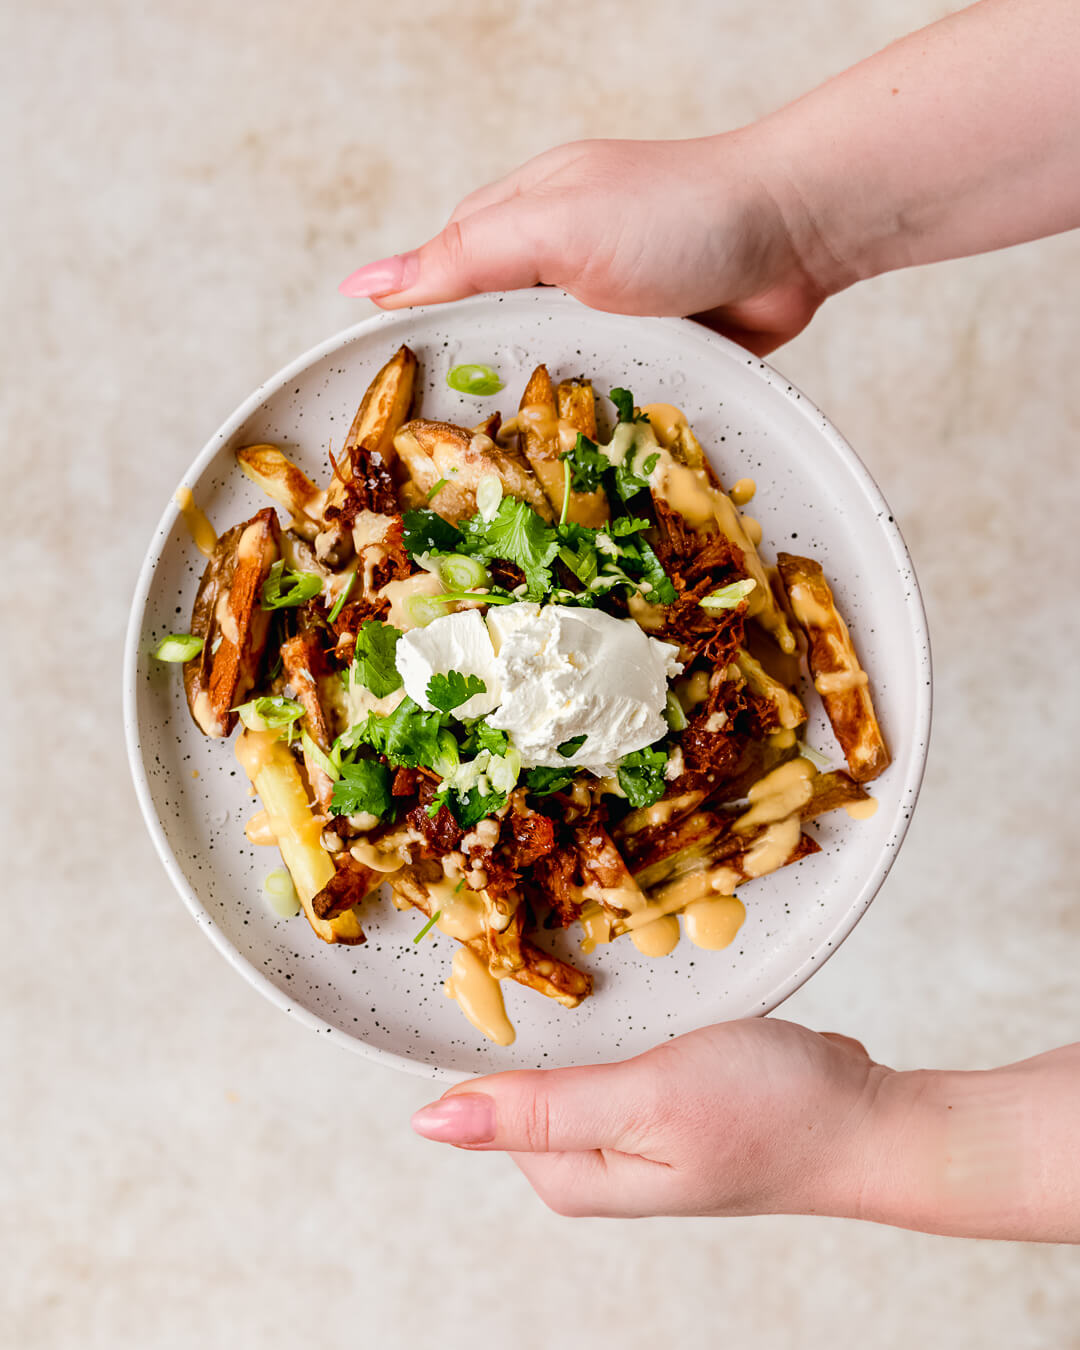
495 249
538 1111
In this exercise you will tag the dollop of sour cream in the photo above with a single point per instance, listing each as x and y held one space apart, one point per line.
551 673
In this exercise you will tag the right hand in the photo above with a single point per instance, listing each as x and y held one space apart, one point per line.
696 227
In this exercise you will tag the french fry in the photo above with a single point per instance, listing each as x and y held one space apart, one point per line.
436 452
271 768
270 468
229 618
834 666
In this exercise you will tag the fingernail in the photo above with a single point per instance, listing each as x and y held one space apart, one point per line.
462 1118
382 277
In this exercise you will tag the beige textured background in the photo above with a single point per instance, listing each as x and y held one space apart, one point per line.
185 1167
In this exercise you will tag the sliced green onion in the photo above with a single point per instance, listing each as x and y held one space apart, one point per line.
567 478
424 608
675 714
265 714
729 597
474 379
343 595
285 587
463 574
179 647
281 893
437 488
428 926
449 597
489 493
816 758
321 758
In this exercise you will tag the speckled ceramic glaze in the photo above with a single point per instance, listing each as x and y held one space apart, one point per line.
386 998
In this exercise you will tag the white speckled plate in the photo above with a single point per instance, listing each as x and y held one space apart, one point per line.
386 998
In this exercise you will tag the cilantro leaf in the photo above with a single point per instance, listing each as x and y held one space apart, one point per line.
468 808
623 398
543 782
374 665
641 776
285 587
588 464
484 737
407 736
364 786
652 570
427 532
629 481
624 525
572 746
518 534
451 690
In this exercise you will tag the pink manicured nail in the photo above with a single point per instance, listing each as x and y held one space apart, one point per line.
461 1118
382 277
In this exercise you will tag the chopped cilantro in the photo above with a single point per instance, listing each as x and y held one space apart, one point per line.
652 570
407 736
629 481
364 787
468 808
543 782
518 534
451 690
427 532
572 746
376 648
483 737
641 776
624 406
588 464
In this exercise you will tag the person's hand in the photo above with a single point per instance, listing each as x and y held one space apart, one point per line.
742 1118
701 227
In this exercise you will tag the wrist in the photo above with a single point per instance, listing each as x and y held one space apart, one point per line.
950 1152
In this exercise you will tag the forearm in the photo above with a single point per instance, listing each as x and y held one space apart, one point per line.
959 139
980 1154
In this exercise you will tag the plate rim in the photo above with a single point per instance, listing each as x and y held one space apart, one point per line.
830 941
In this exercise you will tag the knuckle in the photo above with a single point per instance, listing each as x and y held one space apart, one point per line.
536 1122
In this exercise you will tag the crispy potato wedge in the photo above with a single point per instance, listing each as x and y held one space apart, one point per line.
303 662
834 666
228 617
383 409
274 773
789 707
351 883
706 840
271 469
436 450
687 480
546 974
540 432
